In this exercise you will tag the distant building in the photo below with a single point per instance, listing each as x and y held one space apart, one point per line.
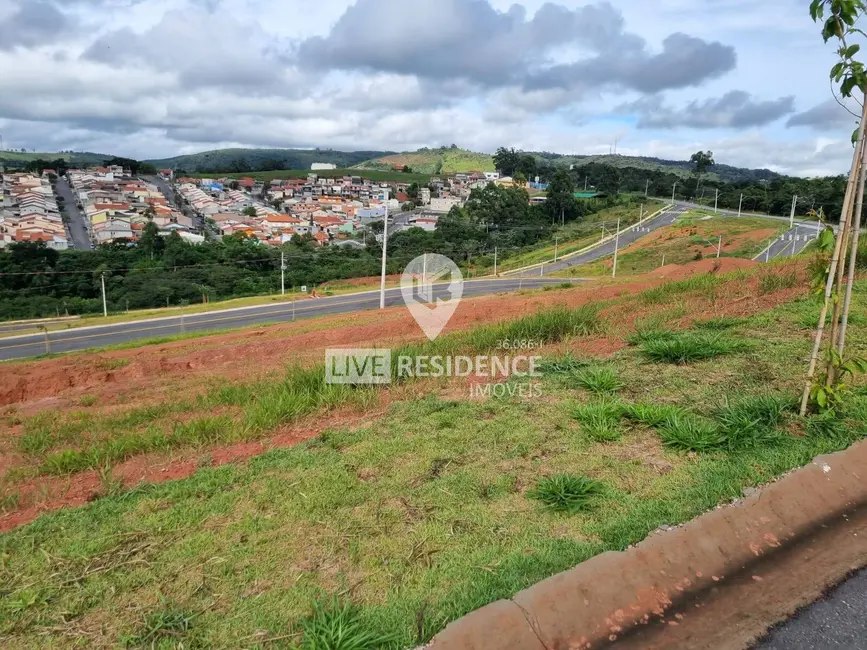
444 205
321 166
492 176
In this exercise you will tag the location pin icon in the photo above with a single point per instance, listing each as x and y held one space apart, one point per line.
432 286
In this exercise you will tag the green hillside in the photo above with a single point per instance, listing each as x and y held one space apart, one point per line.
371 174
447 160
253 160
18 159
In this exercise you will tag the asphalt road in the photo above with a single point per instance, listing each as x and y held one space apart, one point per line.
791 242
76 227
93 337
627 237
839 620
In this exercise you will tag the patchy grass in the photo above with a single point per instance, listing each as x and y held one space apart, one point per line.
601 380
689 347
392 528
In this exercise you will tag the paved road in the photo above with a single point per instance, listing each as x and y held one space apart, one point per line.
791 242
839 620
91 337
76 225
627 237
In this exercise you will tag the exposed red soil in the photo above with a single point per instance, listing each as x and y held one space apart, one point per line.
720 266
185 368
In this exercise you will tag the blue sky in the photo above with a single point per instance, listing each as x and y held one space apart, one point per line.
154 78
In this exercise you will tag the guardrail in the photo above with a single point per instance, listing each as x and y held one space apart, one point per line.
587 249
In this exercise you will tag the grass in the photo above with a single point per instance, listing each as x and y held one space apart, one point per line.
692 238
578 235
772 282
689 347
567 493
335 626
410 520
600 421
601 380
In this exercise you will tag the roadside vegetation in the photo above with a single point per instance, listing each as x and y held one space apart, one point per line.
694 237
385 528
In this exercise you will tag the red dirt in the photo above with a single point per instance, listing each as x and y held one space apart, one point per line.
188 367
719 266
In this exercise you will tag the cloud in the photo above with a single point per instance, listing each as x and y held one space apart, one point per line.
30 23
735 109
827 116
469 39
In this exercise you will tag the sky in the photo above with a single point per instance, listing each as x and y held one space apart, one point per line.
158 78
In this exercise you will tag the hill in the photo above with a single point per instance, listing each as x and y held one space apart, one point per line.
684 168
446 160
251 160
371 174
14 159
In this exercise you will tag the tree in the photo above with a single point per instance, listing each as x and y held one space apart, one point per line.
249 211
407 169
507 161
609 182
702 161
520 179
561 201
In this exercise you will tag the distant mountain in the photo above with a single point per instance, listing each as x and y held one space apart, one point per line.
16 159
681 167
252 160
446 160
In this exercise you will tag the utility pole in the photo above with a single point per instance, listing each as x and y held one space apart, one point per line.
716 201
794 206
616 250
495 261
673 188
740 205
556 241
646 188
104 303
282 274
384 254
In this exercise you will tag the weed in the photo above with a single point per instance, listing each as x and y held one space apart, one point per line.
87 400
10 502
333 626
719 324
600 420
109 484
772 282
567 364
111 364
566 493
642 336
690 433
689 347
653 415
171 622
753 422
600 380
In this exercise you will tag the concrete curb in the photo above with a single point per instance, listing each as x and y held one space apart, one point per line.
612 595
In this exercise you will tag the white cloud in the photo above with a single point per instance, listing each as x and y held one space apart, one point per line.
159 77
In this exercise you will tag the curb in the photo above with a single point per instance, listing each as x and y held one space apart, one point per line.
615 594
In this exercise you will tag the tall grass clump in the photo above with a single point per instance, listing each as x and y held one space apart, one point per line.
689 432
653 415
599 379
645 335
755 421
566 493
333 626
771 282
689 347
697 283
566 365
600 421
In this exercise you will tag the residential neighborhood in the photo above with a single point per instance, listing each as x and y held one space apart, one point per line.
29 211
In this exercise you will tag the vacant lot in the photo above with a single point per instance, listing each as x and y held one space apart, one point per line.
690 239
413 505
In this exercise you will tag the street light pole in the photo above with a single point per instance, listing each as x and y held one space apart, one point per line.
104 303
282 274
740 205
673 188
616 249
495 261
646 188
384 254
556 241
794 206
716 201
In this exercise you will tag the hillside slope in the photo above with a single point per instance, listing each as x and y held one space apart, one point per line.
244 160
447 160
17 158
